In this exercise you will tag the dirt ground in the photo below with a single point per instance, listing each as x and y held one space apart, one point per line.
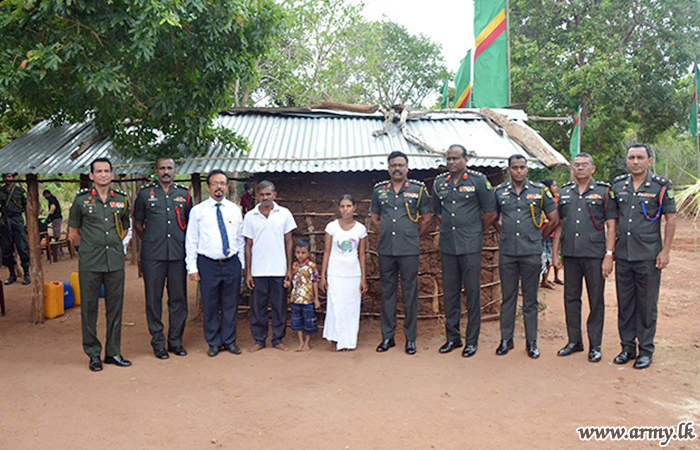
347 400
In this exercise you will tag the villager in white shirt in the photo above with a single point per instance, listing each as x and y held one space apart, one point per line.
267 229
215 256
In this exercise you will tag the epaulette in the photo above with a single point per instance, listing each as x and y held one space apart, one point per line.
442 175
420 183
381 183
475 172
661 180
621 177
82 191
570 183
502 185
181 186
149 185
603 183
537 185
119 192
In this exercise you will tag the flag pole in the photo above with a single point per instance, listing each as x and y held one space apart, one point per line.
508 46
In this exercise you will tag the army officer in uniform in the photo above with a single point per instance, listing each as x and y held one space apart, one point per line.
13 202
160 219
400 211
588 215
98 221
463 200
521 204
640 254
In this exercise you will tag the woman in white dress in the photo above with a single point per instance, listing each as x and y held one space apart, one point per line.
343 276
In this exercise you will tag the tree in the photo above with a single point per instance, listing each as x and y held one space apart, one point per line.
620 60
326 46
163 67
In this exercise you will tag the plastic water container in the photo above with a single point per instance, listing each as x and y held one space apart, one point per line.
53 299
75 284
68 299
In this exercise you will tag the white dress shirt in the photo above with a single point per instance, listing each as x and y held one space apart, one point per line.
204 237
269 255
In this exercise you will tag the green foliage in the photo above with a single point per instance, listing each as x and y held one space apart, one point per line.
326 46
622 60
164 67
688 200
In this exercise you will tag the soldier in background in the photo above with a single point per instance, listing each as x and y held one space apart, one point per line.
13 234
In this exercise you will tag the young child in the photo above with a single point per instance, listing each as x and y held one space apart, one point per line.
304 295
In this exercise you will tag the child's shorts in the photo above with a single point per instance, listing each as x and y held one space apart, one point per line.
304 318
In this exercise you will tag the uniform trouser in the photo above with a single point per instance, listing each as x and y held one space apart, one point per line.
14 236
155 274
575 270
90 283
637 284
458 271
390 267
526 271
268 289
220 284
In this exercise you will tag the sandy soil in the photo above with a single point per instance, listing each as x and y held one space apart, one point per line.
346 400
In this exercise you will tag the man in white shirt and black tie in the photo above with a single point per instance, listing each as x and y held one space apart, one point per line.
215 256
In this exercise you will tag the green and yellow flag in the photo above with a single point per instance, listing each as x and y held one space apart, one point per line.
463 82
491 54
575 144
445 94
693 116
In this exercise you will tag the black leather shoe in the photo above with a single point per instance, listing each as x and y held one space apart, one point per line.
624 357
385 345
26 279
10 280
504 346
213 350
95 364
594 355
469 350
118 360
642 362
410 347
179 350
571 347
532 350
448 346
161 353
233 348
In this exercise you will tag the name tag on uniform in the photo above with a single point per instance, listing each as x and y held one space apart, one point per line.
467 189
565 196
410 194
534 196
595 197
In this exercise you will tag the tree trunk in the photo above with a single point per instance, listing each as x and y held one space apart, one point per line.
35 271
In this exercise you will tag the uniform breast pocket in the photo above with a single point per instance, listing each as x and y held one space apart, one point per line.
623 197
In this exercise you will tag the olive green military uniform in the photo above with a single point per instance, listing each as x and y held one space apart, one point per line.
102 226
520 251
13 235
583 216
638 244
399 250
163 256
460 202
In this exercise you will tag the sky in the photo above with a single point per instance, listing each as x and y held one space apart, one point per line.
447 22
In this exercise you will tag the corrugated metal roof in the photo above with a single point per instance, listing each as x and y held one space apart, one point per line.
315 141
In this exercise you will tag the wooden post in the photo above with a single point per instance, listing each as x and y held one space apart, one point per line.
35 271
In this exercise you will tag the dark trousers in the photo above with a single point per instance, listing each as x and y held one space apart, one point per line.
90 283
575 270
155 274
523 270
390 268
458 271
14 236
268 290
220 284
637 284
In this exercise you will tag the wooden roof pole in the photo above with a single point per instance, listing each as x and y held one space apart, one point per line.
36 272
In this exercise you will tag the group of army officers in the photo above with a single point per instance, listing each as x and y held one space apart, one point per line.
596 225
